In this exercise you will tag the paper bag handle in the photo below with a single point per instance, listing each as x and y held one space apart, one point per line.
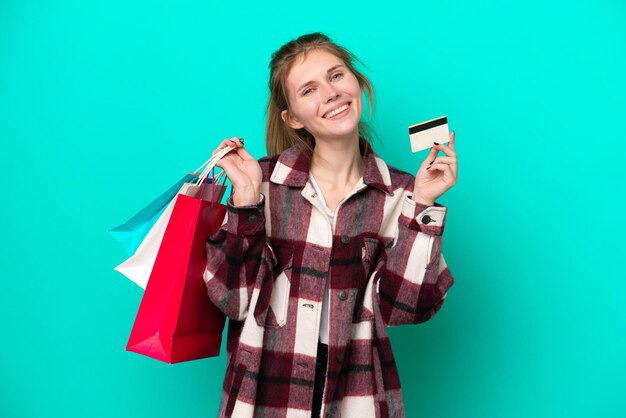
209 167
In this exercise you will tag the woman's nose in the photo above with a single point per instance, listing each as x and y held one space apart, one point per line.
331 93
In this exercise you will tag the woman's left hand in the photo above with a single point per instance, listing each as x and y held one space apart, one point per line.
436 174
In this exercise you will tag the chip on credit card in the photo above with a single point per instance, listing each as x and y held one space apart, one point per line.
422 135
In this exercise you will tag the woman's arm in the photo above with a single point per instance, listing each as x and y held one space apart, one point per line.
411 276
239 260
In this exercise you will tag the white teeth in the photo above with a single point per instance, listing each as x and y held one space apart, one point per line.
336 111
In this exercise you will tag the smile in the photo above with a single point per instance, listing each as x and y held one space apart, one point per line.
337 111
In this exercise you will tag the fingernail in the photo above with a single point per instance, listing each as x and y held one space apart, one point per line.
431 163
427 168
436 143
454 133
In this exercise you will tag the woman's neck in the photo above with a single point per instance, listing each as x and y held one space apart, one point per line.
337 164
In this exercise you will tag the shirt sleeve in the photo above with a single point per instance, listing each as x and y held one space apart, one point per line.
411 276
239 260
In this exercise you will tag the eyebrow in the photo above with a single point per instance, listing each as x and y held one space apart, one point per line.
330 70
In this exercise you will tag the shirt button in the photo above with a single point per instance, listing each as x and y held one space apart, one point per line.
345 239
253 219
343 295
426 219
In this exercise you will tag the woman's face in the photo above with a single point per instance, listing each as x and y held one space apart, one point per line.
324 97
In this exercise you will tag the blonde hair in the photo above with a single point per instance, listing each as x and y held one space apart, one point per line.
278 135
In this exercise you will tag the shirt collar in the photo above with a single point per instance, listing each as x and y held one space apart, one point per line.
292 169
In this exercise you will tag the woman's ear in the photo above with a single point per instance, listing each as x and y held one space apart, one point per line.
290 120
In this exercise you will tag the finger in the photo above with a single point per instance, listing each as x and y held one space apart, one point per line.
445 160
454 166
451 143
221 147
216 150
431 156
236 140
229 163
244 154
450 152
451 161
445 169
226 143
228 158
229 142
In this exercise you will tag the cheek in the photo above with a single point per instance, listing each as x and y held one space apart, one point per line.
305 112
358 97
309 109
354 83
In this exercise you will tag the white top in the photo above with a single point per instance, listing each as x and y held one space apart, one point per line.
331 215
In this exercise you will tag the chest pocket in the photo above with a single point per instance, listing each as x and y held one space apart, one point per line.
369 255
276 296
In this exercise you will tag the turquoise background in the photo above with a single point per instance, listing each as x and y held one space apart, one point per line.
103 105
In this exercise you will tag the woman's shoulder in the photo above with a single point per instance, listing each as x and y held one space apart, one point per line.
291 159
400 174
268 163
397 177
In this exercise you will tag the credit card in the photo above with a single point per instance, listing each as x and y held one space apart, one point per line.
422 135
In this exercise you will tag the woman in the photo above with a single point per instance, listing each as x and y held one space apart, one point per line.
324 246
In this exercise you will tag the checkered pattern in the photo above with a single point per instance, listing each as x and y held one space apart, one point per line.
267 269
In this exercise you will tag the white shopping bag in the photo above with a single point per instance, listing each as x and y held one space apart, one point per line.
139 266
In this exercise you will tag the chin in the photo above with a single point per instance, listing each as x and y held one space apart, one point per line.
348 133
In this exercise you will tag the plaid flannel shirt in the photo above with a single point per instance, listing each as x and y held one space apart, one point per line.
267 268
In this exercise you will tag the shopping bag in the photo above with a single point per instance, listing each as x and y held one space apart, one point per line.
132 232
139 265
176 321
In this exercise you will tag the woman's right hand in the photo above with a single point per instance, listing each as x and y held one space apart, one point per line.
244 172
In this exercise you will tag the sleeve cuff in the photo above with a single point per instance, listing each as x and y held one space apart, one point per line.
423 218
245 220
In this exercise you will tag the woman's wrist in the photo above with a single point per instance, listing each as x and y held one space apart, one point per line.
246 197
422 201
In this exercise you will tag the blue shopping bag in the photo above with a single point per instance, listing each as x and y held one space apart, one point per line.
132 232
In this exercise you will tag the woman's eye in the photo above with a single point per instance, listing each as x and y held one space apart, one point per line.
336 76
305 92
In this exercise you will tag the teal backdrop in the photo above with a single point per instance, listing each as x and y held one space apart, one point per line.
104 104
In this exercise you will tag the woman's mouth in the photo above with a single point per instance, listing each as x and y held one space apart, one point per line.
337 113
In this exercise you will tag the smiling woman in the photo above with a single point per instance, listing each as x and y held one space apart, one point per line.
332 94
281 136
324 246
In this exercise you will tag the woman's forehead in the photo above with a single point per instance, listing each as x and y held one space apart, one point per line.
314 64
